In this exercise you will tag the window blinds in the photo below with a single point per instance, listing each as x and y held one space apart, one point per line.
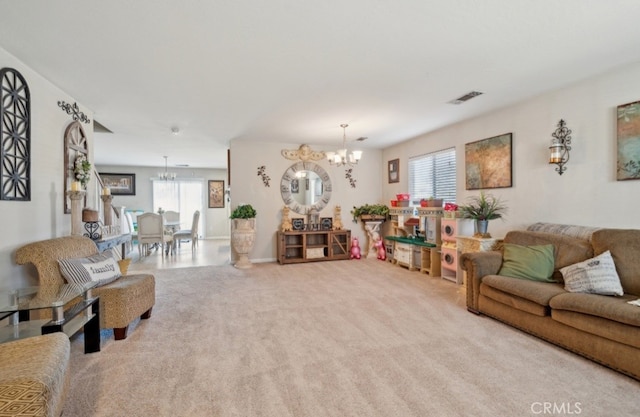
433 175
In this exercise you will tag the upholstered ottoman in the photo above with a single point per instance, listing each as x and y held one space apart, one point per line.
125 299
34 375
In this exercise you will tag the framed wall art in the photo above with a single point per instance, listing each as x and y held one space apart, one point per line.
120 184
297 224
394 171
628 132
487 163
216 193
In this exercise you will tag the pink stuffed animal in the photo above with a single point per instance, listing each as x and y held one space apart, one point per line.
355 248
382 253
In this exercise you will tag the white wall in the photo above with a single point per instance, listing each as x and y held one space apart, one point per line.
43 217
216 220
587 193
248 188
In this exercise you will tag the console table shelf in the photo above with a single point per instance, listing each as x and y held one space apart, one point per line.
313 246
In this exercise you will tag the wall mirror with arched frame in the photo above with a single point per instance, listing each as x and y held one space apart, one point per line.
305 186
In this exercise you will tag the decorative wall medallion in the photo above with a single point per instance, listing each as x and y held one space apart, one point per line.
304 153
15 137
74 111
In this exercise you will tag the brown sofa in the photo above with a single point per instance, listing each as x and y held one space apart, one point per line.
605 329
121 301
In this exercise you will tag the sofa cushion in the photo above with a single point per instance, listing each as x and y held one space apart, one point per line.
567 250
534 295
608 329
624 246
528 262
612 308
596 276
101 267
609 317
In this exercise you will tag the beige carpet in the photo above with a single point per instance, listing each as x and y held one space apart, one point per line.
343 338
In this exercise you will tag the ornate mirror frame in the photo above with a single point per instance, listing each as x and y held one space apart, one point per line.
290 174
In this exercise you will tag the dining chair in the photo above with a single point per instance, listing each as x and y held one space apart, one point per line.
151 230
189 234
172 220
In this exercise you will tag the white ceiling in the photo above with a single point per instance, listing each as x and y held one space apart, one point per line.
294 70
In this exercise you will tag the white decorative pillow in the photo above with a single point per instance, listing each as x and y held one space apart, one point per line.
595 276
102 268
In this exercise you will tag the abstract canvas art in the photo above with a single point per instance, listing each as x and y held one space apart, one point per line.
488 163
628 166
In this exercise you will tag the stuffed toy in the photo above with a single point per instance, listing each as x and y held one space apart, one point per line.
355 248
382 254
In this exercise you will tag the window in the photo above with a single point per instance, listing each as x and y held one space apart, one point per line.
183 196
433 175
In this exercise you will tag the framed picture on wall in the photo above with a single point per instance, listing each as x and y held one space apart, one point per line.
394 171
487 163
120 184
628 132
216 193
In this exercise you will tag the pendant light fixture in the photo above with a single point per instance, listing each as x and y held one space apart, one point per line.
166 175
342 156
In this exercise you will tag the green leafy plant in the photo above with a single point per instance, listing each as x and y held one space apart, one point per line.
371 209
82 170
245 211
483 207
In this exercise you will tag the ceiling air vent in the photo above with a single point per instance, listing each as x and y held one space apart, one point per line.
466 97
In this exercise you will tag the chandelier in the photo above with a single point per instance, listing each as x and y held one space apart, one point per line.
166 175
342 156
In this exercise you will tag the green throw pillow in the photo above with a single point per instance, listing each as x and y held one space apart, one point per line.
528 262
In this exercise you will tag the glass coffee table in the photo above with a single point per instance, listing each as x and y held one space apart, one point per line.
23 306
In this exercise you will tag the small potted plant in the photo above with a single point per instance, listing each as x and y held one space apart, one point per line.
243 233
370 212
483 208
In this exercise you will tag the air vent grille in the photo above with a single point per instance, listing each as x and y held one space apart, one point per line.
465 97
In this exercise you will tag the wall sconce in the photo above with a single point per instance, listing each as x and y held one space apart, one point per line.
560 147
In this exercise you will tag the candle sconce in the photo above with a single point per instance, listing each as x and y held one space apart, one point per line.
91 223
560 147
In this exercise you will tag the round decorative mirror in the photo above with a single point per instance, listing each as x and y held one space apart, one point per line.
305 186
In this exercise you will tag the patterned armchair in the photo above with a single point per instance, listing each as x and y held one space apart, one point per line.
121 301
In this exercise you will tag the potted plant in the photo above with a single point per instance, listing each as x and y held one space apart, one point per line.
482 208
243 233
370 212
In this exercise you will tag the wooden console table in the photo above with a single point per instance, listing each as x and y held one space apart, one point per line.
313 246
113 241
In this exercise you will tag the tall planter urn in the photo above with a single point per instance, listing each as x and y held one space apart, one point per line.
243 235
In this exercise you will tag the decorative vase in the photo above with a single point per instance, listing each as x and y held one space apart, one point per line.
481 227
243 235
